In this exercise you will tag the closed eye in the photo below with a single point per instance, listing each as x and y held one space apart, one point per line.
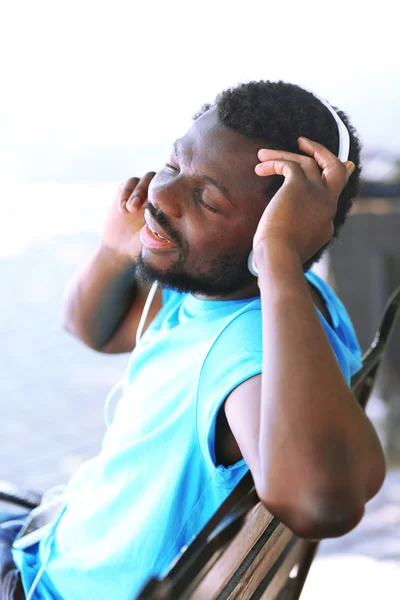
171 167
197 193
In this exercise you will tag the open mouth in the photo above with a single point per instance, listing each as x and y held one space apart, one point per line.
157 234
151 237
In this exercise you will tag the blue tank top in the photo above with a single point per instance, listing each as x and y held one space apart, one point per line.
155 482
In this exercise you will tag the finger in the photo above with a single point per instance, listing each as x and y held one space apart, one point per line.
139 195
125 192
308 164
334 173
288 168
350 166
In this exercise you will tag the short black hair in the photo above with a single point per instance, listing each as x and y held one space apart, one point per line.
277 114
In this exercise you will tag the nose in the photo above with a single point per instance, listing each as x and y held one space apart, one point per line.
167 196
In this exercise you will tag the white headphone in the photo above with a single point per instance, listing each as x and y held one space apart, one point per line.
343 155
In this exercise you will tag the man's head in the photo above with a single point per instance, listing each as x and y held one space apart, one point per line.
208 199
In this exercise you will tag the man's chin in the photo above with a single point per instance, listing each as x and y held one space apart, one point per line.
221 283
145 272
171 277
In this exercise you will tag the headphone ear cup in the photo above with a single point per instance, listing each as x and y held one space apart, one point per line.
251 265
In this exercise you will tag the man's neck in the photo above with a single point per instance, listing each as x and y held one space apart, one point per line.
249 291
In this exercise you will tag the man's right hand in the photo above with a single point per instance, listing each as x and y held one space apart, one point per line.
125 218
104 302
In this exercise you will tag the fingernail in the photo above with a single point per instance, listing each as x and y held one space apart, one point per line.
130 204
351 168
134 201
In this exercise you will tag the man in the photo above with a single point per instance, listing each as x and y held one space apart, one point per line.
234 371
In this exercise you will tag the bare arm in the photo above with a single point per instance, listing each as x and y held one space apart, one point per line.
104 302
314 455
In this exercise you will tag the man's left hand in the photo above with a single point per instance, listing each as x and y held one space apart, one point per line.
301 213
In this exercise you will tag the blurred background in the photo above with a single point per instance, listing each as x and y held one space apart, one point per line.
93 93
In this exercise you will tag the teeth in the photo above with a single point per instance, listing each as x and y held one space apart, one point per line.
157 234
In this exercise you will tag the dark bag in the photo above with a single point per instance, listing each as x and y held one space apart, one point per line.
10 578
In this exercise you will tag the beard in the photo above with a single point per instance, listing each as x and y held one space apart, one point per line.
223 276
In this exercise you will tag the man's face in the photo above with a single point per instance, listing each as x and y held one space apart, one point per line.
207 202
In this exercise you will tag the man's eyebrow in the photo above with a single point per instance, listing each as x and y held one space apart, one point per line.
218 185
224 191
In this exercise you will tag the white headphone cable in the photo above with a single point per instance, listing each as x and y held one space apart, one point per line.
139 332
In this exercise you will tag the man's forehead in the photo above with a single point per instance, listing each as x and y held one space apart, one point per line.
224 152
208 131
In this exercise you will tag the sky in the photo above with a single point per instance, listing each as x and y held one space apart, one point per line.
98 91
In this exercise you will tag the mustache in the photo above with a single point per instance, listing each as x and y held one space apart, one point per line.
163 221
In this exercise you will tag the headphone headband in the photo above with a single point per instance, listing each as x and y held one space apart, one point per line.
344 137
